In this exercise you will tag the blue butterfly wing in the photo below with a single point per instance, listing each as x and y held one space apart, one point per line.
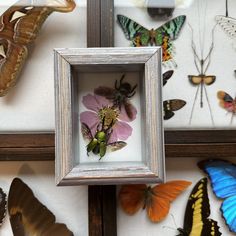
223 180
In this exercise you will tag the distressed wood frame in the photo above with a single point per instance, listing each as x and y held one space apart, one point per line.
148 62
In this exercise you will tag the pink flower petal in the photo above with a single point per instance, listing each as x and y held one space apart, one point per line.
122 129
102 101
113 137
124 116
91 119
90 102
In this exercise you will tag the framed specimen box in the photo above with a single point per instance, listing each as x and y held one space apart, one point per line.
79 75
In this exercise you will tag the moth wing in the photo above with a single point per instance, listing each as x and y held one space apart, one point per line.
3 204
166 76
172 28
132 197
116 146
224 96
130 110
133 31
209 79
168 114
228 24
86 132
12 58
195 79
29 215
104 91
23 20
162 195
175 104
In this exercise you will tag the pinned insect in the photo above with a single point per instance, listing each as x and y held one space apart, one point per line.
228 24
162 36
100 142
201 80
166 76
120 96
172 105
155 199
19 27
3 204
228 103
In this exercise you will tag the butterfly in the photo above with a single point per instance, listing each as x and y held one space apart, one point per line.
99 144
155 199
19 27
162 36
28 216
227 102
3 204
223 181
228 24
196 221
172 105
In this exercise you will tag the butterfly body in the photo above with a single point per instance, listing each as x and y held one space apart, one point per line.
162 36
19 27
196 221
223 181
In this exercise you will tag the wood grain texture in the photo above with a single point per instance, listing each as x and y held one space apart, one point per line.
152 168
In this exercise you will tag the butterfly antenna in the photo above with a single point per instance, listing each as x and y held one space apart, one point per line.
194 102
173 218
226 6
209 106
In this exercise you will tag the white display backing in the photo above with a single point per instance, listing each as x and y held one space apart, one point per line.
30 105
87 83
223 61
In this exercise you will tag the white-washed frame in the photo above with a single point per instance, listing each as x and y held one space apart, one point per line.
152 168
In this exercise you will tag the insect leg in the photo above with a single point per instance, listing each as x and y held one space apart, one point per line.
208 102
201 96
194 102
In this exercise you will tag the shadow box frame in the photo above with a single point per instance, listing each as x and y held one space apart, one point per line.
178 143
68 64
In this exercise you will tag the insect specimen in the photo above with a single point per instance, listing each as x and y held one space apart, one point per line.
172 105
227 102
162 36
120 96
99 144
155 199
201 80
228 24
3 204
166 76
196 221
19 27
223 181
28 216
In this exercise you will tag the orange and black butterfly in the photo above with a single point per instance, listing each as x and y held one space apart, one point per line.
227 102
155 199
19 27
196 219
28 216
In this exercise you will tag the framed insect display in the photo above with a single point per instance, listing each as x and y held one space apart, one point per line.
104 109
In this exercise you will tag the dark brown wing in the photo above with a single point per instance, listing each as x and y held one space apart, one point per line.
105 92
19 26
172 105
86 132
3 204
28 216
167 75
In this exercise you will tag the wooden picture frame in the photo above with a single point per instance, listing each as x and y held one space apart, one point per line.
145 61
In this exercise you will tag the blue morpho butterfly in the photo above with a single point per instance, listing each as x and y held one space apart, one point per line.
223 180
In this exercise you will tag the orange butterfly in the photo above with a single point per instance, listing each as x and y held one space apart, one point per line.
155 199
